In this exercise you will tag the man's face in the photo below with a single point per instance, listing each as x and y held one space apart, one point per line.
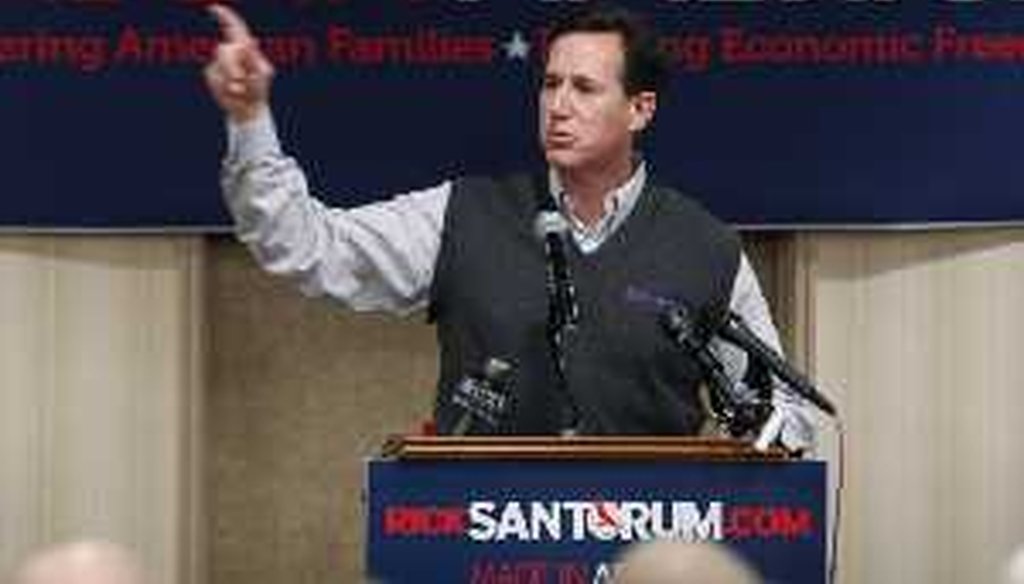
586 119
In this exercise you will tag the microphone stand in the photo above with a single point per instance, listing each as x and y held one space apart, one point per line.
559 328
563 312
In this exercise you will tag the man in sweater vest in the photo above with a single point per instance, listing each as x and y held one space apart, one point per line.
468 249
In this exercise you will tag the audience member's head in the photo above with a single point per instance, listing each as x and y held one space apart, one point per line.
671 562
82 562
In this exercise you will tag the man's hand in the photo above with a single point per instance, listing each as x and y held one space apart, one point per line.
239 74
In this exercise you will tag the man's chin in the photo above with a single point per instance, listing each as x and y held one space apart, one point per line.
560 160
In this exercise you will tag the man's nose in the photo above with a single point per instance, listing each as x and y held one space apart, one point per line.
560 103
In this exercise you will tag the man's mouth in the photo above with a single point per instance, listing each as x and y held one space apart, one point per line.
559 139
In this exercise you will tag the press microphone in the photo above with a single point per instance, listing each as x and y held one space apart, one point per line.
483 396
679 326
734 330
551 228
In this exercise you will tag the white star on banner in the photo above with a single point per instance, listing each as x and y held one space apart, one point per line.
516 47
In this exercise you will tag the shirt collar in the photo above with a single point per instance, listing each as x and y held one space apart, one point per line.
618 205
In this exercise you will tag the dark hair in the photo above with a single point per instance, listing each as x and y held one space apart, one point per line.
645 66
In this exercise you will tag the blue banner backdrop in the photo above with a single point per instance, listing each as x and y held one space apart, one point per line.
811 112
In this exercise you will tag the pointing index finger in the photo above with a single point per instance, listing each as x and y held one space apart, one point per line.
232 26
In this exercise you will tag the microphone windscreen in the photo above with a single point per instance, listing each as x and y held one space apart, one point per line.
549 223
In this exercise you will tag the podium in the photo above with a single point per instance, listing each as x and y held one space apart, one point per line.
550 510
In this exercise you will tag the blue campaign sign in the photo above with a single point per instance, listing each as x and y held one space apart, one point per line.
814 112
564 521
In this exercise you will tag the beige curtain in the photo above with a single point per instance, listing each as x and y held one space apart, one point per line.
100 384
918 336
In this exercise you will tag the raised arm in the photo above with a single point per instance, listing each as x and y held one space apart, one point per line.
374 257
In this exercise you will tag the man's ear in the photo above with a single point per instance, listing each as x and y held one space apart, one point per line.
642 108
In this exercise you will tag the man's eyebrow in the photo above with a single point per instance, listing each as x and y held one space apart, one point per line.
584 78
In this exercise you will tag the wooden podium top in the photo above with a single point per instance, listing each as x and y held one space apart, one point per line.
404 447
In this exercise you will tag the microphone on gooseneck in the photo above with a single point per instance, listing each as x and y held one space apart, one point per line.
483 396
552 228
685 334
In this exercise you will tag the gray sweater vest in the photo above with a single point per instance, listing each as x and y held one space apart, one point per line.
489 300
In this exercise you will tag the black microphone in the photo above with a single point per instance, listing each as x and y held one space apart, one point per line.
738 412
734 330
551 228
680 327
483 396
